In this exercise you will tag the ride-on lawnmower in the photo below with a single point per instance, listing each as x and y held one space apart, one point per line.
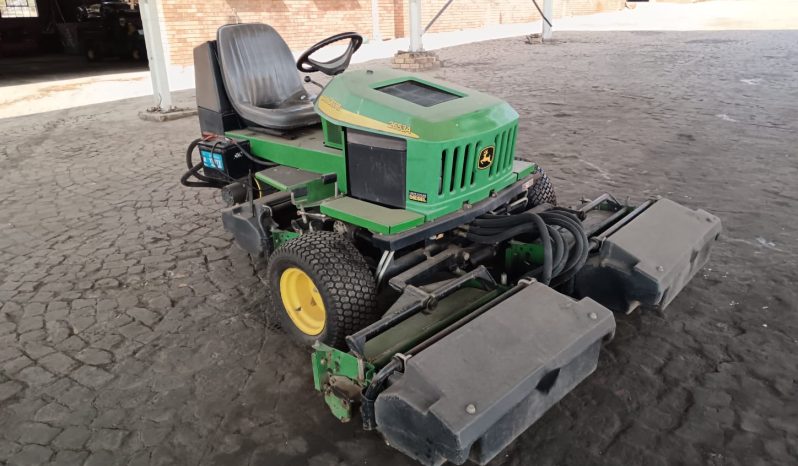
448 300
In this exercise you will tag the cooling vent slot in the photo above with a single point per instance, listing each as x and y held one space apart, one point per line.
459 167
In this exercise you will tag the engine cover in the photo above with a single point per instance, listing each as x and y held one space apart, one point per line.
473 392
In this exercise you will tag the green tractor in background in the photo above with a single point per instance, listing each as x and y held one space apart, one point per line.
448 300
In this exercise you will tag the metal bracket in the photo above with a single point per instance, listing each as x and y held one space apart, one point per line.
438 15
382 267
402 358
527 281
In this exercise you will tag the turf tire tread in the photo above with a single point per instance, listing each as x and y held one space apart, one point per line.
542 191
343 276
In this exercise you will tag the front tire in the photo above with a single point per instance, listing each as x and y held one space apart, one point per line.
542 192
93 52
322 288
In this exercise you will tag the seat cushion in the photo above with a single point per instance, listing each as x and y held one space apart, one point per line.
261 78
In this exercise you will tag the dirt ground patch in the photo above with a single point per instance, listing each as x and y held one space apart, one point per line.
133 332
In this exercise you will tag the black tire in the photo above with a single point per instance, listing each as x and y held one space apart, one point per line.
343 280
541 192
93 53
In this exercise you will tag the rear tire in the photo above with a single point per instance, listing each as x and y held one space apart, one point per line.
322 265
93 52
542 192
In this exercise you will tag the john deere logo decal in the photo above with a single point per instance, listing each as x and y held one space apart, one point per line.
485 157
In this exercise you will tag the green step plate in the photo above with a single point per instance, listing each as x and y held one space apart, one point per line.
373 217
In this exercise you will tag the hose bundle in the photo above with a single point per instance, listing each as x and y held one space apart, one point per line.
562 256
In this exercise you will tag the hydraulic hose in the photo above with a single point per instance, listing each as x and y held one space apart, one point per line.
194 171
251 157
562 258
496 227
190 151
580 248
560 251
369 395
493 230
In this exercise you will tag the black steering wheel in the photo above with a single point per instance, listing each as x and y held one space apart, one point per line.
338 64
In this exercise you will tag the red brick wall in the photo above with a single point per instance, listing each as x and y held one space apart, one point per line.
304 22
469 14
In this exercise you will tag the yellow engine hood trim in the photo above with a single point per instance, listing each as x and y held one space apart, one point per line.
333 109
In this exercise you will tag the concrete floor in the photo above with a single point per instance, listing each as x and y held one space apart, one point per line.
133 332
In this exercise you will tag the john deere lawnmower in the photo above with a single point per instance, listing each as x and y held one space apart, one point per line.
449 302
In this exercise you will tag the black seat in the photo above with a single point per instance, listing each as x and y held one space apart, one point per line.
261 78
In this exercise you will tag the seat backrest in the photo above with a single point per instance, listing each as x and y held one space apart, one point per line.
257 66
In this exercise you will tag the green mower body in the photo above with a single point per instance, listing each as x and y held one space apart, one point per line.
433 158
449 302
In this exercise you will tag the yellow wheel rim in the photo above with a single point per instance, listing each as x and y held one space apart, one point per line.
302 301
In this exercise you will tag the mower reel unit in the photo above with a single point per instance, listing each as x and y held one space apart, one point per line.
449 302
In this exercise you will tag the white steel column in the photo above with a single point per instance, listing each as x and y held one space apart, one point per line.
548 10
414 7
376 36
155 53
